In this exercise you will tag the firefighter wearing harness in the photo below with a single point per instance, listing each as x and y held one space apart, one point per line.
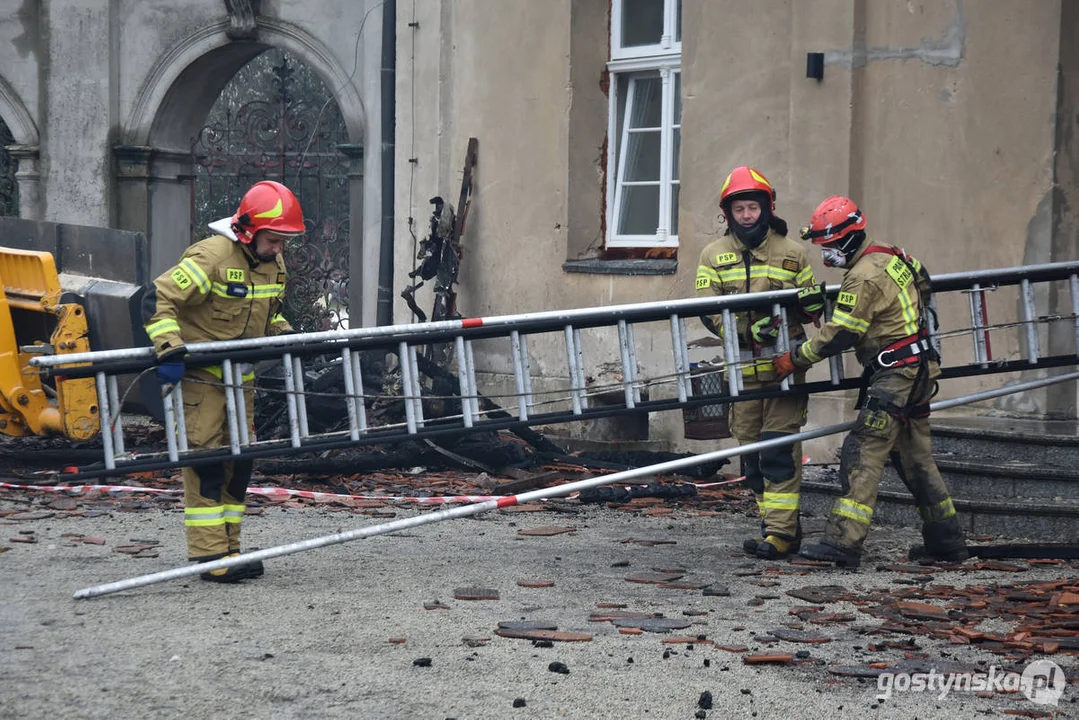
755 255
882 312
226 287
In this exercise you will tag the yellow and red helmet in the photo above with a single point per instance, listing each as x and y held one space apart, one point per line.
744 180
268 205
834 219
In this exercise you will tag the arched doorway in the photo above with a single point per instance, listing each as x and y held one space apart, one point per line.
276 120
9 187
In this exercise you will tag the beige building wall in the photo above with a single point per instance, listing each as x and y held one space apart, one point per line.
941 118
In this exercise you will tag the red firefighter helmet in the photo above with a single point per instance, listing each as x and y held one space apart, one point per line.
742 181
268 205
833 220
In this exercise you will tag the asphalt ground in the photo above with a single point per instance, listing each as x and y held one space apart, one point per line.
343 632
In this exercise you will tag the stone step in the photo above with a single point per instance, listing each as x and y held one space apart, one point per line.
993 440
1051 521
1012 480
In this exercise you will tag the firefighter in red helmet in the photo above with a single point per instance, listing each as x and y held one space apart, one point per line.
226 287
755 255
882 311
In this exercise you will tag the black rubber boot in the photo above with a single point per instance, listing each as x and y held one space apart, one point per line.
233 574
842 557
943 542
774 547
750 544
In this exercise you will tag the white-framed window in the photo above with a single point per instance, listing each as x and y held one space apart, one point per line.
644 123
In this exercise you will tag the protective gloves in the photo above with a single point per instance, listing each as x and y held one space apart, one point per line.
784 365
765 331
811 303
170 370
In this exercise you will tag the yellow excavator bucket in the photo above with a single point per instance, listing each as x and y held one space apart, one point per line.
33 320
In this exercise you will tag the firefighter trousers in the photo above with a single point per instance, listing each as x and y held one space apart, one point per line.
774 475
213 494
882 431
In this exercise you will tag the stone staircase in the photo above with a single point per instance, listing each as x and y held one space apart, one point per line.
1008 477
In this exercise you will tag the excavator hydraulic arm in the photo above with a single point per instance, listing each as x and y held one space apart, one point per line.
31 310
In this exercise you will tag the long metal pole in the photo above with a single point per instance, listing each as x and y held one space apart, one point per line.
557 491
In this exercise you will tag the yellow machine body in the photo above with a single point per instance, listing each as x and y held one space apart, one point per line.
34 321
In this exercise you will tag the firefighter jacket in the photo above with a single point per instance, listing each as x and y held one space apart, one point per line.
728 267
218 291
879 303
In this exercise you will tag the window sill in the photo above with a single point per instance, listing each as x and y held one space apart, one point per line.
658 266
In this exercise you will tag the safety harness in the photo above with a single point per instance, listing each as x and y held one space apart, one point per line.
916 349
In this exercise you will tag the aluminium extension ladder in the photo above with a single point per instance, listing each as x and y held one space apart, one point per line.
515 330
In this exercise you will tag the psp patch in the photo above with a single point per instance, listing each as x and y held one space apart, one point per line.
181 278
726 258
234 275
791 265
703 282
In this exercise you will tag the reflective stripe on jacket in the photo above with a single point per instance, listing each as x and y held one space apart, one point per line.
218 291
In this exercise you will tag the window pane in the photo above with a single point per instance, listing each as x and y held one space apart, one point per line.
676 146
677 98
640 210
642 157
647 103
642 22
678 21
674 208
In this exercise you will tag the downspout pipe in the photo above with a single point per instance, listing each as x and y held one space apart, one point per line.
384 305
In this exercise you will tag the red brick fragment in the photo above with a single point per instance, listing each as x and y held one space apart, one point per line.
475 593
553 635
94 540
23 539
630 631
768 659
535 583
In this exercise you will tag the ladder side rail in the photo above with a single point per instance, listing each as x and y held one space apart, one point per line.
1073 287
417 386
348 375
681 367
977 323
241 406
406 386
103 410
526 366
518 375
181 419
473 388
571 367
578 347
635 383
290 400
116 418
783 341
170 426
229 377
462 381
1030 315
